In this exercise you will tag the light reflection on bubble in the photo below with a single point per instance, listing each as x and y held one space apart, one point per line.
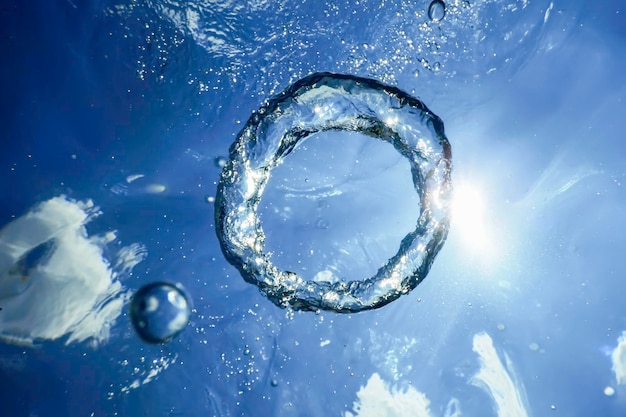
327 102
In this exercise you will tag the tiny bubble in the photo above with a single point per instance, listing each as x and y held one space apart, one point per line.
159 311
220 162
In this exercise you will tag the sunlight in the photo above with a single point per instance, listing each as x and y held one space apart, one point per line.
470 222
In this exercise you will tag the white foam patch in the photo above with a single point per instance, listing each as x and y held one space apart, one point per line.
145 376
618 357
69 290
498 380
377 399
129 256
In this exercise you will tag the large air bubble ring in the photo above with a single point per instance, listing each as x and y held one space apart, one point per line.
334 102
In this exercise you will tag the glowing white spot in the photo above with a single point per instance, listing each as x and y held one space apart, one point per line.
152 304
155 188
391 121
469 219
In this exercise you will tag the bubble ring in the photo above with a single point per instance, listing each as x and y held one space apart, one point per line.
322 102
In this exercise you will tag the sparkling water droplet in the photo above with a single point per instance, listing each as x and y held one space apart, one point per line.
436 10
274 382
159 311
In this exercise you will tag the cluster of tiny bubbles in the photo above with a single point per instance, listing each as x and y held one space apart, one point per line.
258 357
254 50
159 311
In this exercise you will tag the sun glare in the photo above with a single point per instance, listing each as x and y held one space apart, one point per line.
470 222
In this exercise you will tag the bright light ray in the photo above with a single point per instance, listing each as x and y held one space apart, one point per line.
470 222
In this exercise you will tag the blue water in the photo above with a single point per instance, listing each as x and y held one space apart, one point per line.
129 104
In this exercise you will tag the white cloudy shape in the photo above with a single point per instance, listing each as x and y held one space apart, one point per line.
618 357
55 280
377 399
498 379
134 177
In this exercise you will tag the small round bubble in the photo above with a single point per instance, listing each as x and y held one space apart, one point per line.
159 311
220 161
436 10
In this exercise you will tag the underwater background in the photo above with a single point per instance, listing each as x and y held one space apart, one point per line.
118 119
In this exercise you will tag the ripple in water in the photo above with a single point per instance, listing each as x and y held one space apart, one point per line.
326 102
